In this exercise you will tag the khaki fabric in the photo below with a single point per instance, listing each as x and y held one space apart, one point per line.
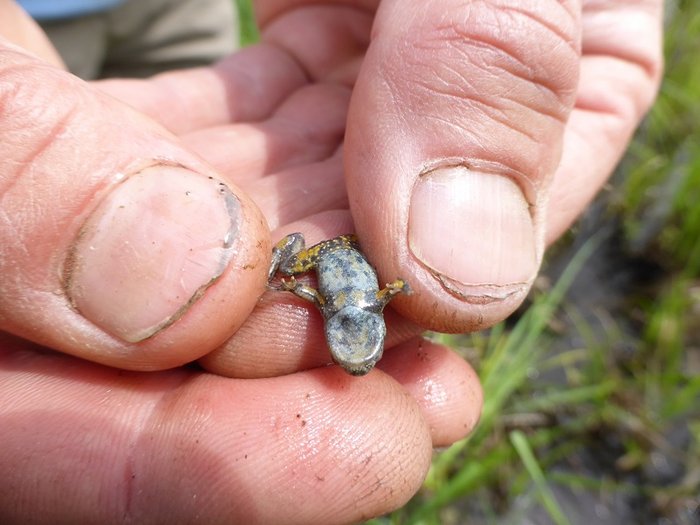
143 37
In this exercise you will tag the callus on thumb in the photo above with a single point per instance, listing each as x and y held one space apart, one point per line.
119 245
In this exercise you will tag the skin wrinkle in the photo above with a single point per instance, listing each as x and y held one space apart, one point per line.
499 52
402 114
612 103
36 153
282 48
489 70
466 133
8 224
324 64
394 107
170 92
470 33
315 140
552 28
27 175
151 422
289 200
601 99
482 105
305 134
464 39
63 126
651 67
650 62
320 63
128 487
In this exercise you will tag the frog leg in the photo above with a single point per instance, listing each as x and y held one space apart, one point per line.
309 293
391 289
284 252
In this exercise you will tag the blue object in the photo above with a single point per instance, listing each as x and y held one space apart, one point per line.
58 9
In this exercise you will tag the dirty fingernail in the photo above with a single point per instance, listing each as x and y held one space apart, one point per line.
475 233
150 249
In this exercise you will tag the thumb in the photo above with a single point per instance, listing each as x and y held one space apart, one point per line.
118 245
454 132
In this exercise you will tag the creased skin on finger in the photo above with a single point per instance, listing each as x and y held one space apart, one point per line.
307 128
296 193
244 87
182 446
335 38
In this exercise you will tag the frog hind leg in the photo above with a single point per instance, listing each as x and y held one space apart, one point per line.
304 291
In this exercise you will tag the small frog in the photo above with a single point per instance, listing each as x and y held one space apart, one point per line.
348 295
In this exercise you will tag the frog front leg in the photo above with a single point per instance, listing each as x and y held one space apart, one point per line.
284 254
387 293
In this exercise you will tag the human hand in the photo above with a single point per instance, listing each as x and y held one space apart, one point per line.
428 94
82 442
292 326
619 75
528 107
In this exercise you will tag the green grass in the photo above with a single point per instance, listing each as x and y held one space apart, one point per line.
249 29
631 400
507 359
527 457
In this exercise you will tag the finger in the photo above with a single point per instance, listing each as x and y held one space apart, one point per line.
335 36
285 331
454 132
19 28
294 194
620 74
182 446
446 388
306 128
119 246
245 87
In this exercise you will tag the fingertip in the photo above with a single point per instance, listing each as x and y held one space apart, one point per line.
20 29
445 386
221 304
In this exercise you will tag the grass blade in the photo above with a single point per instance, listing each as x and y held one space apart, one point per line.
522 447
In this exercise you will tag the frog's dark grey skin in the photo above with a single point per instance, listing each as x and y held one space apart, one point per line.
348 296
